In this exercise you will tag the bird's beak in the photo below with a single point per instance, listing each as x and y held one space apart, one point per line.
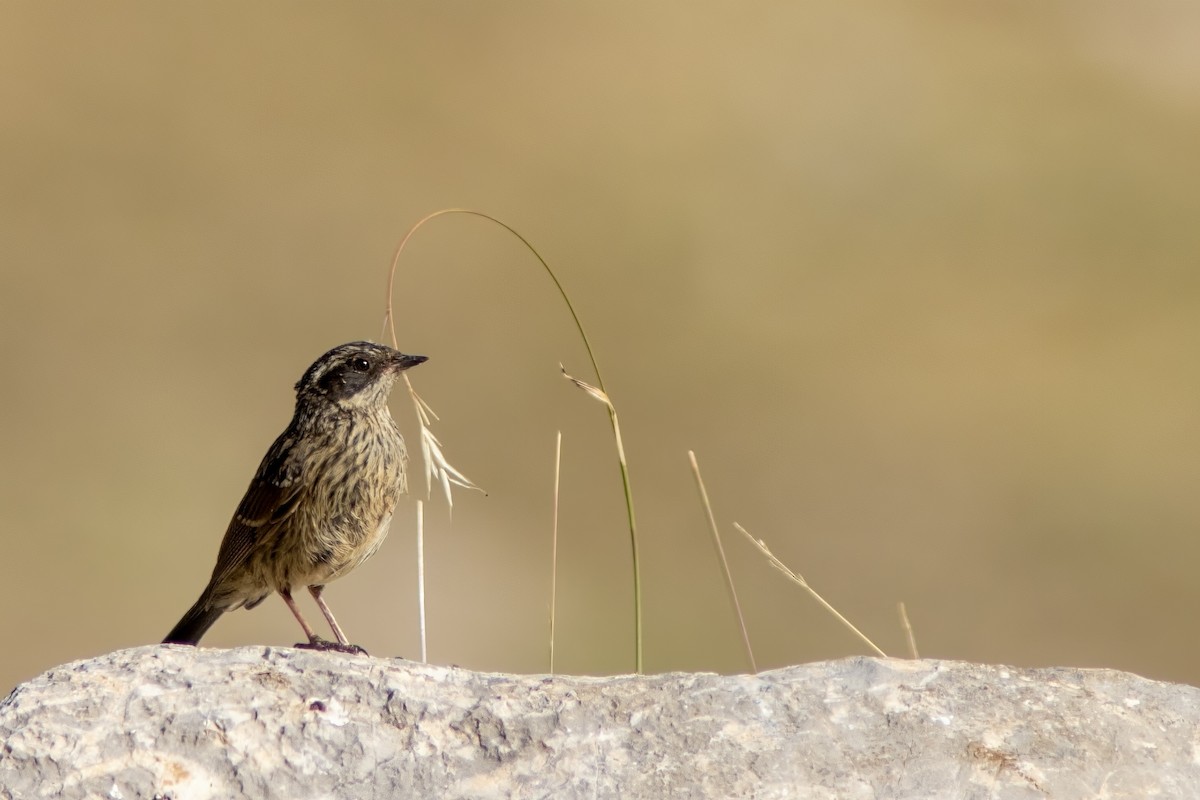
403 362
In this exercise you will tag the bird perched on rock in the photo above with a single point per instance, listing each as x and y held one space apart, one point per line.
322 499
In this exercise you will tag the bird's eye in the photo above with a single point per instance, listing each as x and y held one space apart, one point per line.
360 365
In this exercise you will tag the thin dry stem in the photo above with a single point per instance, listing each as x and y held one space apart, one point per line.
716 534
908 631
803 584
421 577
554 545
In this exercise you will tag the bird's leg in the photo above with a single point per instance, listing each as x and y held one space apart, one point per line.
315 591
313 639
342 645
316 642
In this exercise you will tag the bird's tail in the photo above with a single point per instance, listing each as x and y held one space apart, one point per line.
196 622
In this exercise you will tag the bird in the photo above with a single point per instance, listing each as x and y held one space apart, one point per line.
322 499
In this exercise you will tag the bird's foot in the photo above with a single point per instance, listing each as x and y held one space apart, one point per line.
326 646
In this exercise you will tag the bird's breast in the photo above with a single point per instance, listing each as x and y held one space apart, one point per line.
353 495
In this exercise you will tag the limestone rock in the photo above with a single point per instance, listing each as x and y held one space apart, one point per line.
185 723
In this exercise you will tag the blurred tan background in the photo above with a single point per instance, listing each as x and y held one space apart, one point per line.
919 284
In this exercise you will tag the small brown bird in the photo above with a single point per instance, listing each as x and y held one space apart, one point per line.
322 499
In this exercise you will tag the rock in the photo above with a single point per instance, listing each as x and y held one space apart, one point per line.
185 723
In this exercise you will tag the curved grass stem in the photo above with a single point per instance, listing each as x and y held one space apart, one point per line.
389 324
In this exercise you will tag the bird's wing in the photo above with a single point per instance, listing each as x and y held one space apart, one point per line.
274 494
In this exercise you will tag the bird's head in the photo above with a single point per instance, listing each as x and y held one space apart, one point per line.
355 375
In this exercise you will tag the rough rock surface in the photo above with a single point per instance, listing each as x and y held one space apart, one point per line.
178 722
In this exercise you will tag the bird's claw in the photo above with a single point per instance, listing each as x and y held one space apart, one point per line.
326 646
